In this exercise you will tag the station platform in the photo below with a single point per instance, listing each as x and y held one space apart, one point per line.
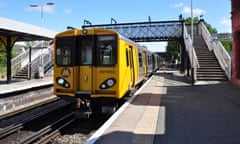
18 85
169 110
23 101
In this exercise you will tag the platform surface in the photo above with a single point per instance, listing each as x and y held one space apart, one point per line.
18 85
169 110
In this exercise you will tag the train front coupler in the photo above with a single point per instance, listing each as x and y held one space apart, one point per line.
83 109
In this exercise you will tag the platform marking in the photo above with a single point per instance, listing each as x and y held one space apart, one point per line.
146 128
109 122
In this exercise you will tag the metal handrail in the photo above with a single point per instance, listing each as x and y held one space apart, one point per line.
16 63
22 60
191 51
220 52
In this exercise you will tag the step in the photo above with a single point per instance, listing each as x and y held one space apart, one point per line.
209 62
20 77
211 71
210 75
210 68
211 79
206 56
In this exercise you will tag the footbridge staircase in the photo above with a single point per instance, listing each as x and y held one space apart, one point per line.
27 64
202 58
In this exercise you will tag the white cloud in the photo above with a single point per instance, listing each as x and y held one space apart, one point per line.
226 21
227 24
178 5
48 9
67 11
196 11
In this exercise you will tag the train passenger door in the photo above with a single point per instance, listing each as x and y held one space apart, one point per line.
132 72
85 68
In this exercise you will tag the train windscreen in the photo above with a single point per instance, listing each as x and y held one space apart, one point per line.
65 49
106 50
86 45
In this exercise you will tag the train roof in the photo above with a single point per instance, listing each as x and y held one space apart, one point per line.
109 30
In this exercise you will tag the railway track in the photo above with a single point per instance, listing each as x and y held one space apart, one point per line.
64 129
13 127
52 127
80 130
49 132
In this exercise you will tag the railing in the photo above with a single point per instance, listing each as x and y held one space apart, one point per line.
220 52
22 60
16 63
191 52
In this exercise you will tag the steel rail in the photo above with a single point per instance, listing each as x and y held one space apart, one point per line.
13 128
53 128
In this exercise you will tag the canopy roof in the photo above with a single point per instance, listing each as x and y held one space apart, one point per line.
24 31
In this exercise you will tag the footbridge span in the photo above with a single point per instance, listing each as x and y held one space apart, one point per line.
203 58
147 31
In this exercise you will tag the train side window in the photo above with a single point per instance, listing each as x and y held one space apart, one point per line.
140 59
127 58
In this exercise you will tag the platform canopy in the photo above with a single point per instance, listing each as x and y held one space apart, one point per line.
12 31
23 31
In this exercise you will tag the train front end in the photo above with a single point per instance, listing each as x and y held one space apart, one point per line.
85 68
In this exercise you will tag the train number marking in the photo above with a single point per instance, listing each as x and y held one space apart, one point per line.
107 71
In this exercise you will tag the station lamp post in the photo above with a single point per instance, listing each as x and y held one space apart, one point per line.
42 6
41 67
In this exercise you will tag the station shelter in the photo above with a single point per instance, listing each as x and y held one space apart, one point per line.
12 31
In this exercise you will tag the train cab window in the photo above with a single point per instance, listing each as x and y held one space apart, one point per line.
106 50
64 51
86 48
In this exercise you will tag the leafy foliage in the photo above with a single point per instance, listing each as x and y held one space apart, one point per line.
227 45
172 51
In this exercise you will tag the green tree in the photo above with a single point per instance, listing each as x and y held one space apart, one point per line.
210 28
227 45
3 60
172 51
189 20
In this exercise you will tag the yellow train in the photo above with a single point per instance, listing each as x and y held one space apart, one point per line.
96 67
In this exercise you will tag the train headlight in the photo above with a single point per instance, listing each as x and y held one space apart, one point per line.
103 86
84 31
62 82
108 83
66 85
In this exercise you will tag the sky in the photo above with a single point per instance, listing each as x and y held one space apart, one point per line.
73 12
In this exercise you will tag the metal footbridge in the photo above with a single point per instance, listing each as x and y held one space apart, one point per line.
177 31
147 31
